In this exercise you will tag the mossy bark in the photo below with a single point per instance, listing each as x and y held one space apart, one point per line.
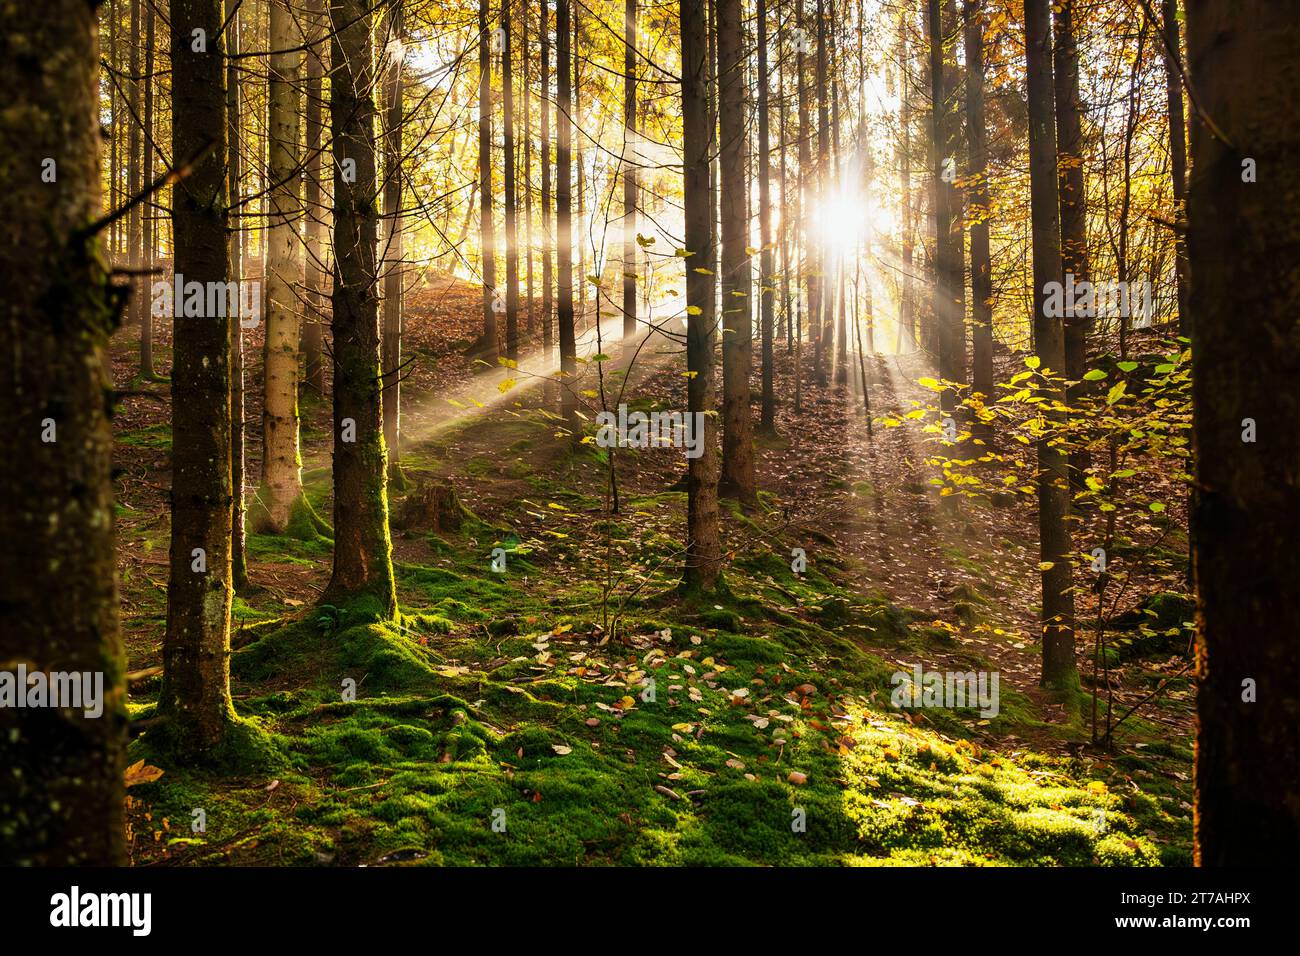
195 695
61 793
363 564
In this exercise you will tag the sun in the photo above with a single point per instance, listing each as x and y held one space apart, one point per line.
845 219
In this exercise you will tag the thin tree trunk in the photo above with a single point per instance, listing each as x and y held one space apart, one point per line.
1057 613
234 172
363 567
313 325
766 290
630 168
703 544
281 486
511 207
1074 208
564 218
62 798
487 350
393 322
1177 155
147 210
981 270
548 281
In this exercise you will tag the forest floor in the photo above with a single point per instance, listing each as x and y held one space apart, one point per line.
506 718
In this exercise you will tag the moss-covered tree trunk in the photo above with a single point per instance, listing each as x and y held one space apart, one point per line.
195 697
703 546
1244 301
1049 343
281 485
61 786
363 567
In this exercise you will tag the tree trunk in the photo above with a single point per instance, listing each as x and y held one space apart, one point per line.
1074 209
1244 297
512 228
392 336
1177 155
981 274
195 695
564 217
61 802
363 567
766 290
737 338
281 486
630 168
150 235
1053 486
548 280
948 313
134 170
313 326
487 350
703 544
235 251
821 314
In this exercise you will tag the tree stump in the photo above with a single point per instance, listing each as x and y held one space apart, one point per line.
431 506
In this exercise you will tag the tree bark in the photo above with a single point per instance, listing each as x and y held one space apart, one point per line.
392 335
548 255
766 290
703 544
487 350
564 216
511 204
630 168
313 325
981 279
235 251
363 567
195 695
62 796
1057 614
1177 155
281 485
1244 297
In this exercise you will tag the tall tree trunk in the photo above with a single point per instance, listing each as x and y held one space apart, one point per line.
1074 208
548 280
363 566
529 238
788 196
393 322
235 251
281 486
564 217
703 544
737 337
1244 297
487 350
807 281
821 313
766 289
313 325
147 211
948 310
981 272
512 228
195 695
134 172
907 303
1049 341
630 168
1177 154
61 802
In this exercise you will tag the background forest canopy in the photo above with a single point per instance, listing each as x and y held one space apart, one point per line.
613 431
